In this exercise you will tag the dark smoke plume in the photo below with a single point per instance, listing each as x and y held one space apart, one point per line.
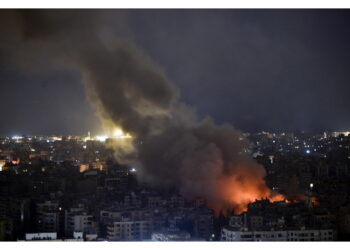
171 147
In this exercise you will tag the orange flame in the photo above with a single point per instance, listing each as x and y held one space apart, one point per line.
314 201
241 189
302 197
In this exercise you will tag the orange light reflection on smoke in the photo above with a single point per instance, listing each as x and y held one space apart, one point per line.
240 190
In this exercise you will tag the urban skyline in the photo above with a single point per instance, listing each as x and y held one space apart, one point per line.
151 125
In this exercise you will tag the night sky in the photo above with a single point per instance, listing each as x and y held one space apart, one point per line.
272 70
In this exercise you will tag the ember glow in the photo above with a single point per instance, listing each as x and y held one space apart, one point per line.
303 197
314 201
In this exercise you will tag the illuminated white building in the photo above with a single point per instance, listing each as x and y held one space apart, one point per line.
129 230
233 234
41 236
171 236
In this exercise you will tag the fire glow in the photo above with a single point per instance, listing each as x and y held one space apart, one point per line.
302 197
241 190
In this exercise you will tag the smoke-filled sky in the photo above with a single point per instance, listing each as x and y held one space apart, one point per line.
274 70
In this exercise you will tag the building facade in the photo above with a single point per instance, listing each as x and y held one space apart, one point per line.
233 234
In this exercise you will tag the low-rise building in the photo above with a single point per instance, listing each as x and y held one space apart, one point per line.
129 230
41 236
171 236
79 223
233 234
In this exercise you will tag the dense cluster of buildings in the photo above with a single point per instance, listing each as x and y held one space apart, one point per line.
70 188
280 221
63 187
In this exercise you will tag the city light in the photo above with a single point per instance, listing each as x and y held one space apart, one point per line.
120 134
241 194
162 139
101 138
2 164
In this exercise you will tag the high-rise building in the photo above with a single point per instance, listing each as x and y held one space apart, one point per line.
47 216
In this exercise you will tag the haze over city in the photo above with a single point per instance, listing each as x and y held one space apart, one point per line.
174 125
272 70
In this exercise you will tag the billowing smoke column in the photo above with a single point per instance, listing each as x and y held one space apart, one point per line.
170 146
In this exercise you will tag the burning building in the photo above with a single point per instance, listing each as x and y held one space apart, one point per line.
166 142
